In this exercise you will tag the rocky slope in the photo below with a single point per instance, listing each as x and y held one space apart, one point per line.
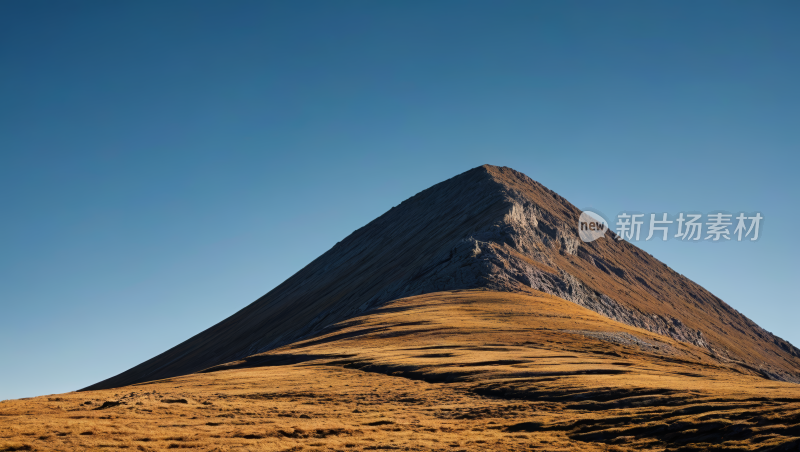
491 228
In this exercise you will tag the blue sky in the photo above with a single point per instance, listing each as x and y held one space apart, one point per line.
164 164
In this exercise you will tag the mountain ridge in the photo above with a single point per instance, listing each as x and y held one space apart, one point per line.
492 228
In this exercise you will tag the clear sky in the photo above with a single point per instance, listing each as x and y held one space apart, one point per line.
164 164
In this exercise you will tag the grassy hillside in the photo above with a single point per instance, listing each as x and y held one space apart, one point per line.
459 370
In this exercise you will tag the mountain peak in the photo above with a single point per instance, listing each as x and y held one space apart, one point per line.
488 228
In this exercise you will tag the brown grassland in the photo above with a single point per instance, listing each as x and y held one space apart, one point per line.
462 370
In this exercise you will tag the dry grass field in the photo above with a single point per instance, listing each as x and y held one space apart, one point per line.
464 370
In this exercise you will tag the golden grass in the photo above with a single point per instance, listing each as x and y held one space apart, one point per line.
468 370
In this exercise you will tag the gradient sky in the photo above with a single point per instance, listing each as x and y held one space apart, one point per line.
164 164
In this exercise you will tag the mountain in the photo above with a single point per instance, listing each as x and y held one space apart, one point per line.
490 228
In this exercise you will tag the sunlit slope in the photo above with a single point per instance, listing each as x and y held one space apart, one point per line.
484 336
457 370
619 280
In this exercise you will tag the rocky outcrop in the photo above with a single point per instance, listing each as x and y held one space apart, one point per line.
507 256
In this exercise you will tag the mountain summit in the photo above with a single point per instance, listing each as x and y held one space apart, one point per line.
489 228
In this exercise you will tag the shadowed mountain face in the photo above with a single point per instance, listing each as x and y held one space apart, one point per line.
491 228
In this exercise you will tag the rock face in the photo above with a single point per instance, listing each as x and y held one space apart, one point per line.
492 228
